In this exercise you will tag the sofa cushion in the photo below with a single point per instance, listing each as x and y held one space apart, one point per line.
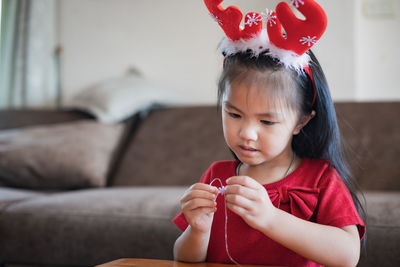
8 196
173 146
383 207
116 99
383 229
92 226
59 156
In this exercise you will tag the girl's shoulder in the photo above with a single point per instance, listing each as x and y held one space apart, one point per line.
310 174
317 166
322 170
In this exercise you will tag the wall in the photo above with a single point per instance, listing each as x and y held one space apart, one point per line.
377 53
175 42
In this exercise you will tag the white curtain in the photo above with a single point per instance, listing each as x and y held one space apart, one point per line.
29 62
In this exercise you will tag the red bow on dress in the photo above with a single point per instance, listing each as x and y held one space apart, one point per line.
302 200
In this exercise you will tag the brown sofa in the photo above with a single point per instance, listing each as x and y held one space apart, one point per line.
158 154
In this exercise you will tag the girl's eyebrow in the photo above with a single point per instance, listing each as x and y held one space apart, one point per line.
265 114
229 105
274 115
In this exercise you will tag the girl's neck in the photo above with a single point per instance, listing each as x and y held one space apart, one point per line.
270 173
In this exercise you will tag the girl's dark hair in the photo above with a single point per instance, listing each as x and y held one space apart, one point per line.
321 137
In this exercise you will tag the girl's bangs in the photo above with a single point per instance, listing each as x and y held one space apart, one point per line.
278 87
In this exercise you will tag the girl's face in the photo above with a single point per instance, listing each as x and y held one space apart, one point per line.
256 129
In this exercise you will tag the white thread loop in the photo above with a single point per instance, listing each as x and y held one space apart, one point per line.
221 190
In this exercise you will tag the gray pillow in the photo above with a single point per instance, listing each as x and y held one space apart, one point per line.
59 156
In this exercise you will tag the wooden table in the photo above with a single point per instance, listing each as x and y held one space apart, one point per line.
162 263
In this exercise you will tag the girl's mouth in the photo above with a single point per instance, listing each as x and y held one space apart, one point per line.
248 148
248 151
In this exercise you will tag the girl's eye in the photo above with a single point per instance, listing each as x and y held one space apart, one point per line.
267 122
234 115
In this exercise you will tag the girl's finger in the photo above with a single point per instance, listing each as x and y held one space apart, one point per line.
239 201
244 191
198 194
198 203
244 181
205 187
208 210
237 209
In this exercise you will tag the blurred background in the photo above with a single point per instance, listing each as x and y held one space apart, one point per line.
83 188
53 49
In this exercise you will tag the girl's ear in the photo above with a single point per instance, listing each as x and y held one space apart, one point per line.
303 122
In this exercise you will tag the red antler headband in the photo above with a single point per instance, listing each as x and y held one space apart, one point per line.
289 49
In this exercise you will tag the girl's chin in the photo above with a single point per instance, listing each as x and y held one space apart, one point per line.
250 161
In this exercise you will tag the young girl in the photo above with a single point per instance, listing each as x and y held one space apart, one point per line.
288 199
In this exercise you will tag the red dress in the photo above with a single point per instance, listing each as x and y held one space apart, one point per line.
313 192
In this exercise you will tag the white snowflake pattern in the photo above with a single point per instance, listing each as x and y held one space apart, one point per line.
270 17
308 40
253 19
216 19
296 3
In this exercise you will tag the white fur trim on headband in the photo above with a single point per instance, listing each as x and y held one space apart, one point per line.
260 44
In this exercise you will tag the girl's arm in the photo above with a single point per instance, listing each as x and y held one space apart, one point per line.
326 245
198 205
191 246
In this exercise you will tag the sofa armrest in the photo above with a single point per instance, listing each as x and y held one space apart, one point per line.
383 229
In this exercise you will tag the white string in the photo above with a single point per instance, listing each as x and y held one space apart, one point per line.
221 190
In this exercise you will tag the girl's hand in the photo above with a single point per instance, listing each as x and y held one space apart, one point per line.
249 199
198 205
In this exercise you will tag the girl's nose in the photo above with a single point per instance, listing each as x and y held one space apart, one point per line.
248 133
